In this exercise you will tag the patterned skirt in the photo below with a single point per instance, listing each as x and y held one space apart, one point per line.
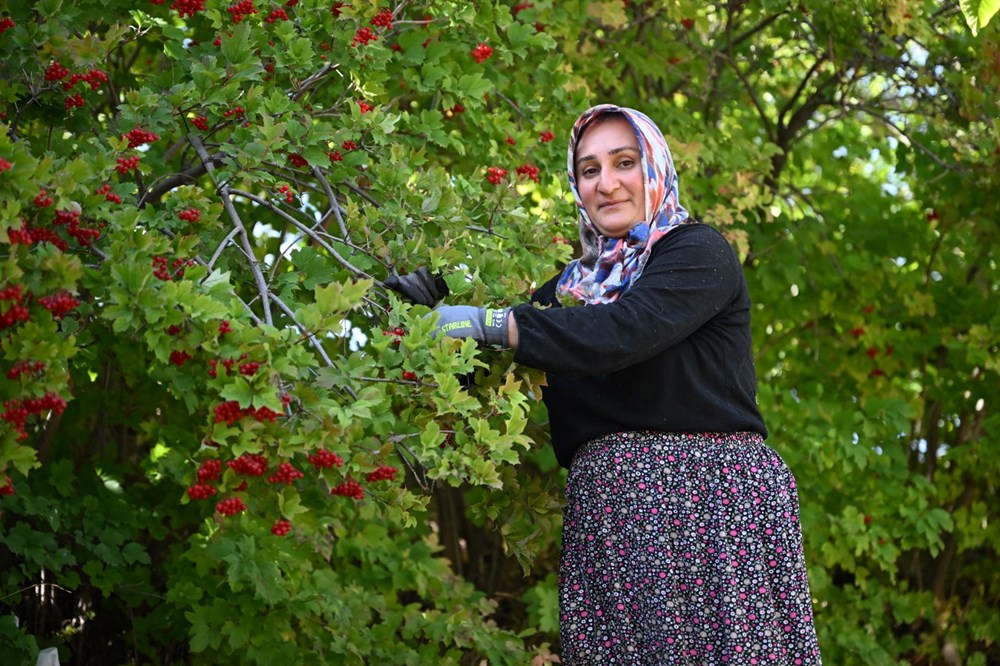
683 549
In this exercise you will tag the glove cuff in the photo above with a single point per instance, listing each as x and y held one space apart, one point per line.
495 326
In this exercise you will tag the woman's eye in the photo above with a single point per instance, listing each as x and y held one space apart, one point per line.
626 164
589 171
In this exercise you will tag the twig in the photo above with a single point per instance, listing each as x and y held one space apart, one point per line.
334 204
227 203
306 230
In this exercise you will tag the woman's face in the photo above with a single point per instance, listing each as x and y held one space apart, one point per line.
609 177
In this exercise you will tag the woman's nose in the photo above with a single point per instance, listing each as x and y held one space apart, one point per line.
608 181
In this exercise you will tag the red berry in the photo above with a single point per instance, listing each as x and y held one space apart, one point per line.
188 7
349 488
126 164
241 9
383 19
8 487
495 174
231 506
201 122
4 165
281 527
6 23
179 357
190 215
546 136
382 474
201 491
325 459
409 375
278 14
286 474
364 106
363 36
529 170
348 146
248 464
687 23
59 304
482 52
139 137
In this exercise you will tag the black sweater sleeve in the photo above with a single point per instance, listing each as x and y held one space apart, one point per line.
691 275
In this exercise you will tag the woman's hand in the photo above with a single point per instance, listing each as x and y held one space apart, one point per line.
488 325
419 287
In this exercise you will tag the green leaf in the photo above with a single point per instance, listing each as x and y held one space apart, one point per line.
978 13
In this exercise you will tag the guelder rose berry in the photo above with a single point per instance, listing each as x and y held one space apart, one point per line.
231 506
281 527
495 174
349 488
482 52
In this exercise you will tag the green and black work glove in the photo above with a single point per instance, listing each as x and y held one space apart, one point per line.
419 287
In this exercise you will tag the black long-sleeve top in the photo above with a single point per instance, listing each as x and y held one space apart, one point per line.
672 354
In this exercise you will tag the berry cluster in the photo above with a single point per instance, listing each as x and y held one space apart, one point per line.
348 146
335 156
174 329
231 412
59 304
363 36
249 464
201 122
495 174
225 327
365 106
83 235
188 7
28 235
94 78
167 270
248 369
126 164
231 506
383 19
335 9
281 528
239 10
108 194
43 199
8 487
4 165
349 488
289 194
139 137
236 111
397 335
210 470
6 23
286 474
383 473
297 160
482 52
19 368
529 170
179 357
546 136
200 491
325 459
190 215
74 102
409 375
453 111
16 312
278 14
18 410
56 72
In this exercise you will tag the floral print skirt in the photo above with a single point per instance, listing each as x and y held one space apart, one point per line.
683 549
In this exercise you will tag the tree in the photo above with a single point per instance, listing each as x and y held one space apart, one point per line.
200 201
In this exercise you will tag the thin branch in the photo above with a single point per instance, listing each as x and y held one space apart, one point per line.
334 204
227 203
306 230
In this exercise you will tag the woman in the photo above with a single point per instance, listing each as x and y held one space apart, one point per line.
681 541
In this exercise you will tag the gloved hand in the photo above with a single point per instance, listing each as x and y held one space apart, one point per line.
419 287
487 325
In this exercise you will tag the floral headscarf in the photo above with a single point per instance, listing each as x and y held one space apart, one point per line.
607 267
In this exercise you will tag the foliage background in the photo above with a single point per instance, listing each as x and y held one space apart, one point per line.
850 151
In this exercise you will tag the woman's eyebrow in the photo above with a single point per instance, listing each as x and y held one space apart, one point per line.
613 151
